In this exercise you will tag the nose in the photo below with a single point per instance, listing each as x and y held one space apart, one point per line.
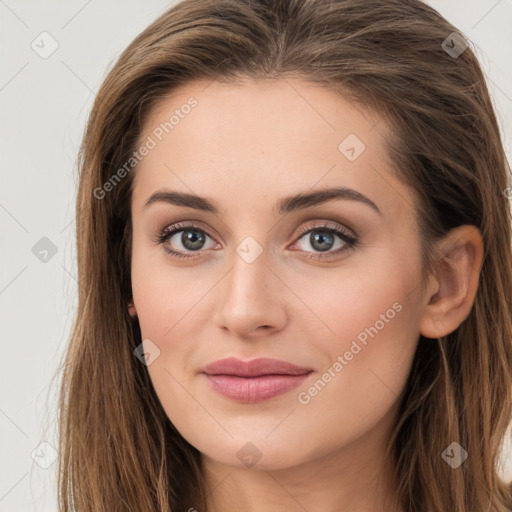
251 300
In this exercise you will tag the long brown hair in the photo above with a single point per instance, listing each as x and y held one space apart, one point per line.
118 449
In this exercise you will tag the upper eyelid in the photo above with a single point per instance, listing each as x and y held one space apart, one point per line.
328 225
350 240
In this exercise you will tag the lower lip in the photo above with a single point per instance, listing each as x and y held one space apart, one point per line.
254 389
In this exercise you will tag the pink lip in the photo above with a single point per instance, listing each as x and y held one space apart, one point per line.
256 380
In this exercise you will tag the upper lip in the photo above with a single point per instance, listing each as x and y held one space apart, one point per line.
253 368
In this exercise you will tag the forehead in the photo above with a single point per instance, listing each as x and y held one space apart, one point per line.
264 137
292 109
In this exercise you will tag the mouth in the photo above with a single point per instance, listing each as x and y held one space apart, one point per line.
254 381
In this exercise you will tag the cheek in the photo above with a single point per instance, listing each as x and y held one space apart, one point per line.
370 321
171 313
362 304
375 333
361 386
165 296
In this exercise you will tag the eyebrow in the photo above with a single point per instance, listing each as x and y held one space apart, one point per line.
288 204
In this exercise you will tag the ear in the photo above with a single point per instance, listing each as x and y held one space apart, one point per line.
131 308
453 284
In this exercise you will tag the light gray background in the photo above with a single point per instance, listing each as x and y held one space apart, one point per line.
44 105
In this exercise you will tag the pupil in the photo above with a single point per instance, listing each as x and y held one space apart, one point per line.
321 237
192 239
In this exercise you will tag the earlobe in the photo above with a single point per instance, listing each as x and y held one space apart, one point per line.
131 308
455 282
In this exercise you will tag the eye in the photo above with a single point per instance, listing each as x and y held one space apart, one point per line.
191 237
322 238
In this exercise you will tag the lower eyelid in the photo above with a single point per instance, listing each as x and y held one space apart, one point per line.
198 230
348 243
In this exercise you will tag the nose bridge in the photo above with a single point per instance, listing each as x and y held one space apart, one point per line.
250 256
249 275
250 297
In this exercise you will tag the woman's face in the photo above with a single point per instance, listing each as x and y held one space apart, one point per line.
266 276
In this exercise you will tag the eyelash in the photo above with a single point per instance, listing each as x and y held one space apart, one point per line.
350 241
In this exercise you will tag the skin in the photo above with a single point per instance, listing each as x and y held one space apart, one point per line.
244 146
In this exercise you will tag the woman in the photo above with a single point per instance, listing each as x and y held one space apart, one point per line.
295 266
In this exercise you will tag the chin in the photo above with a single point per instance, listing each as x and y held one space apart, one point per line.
259 454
